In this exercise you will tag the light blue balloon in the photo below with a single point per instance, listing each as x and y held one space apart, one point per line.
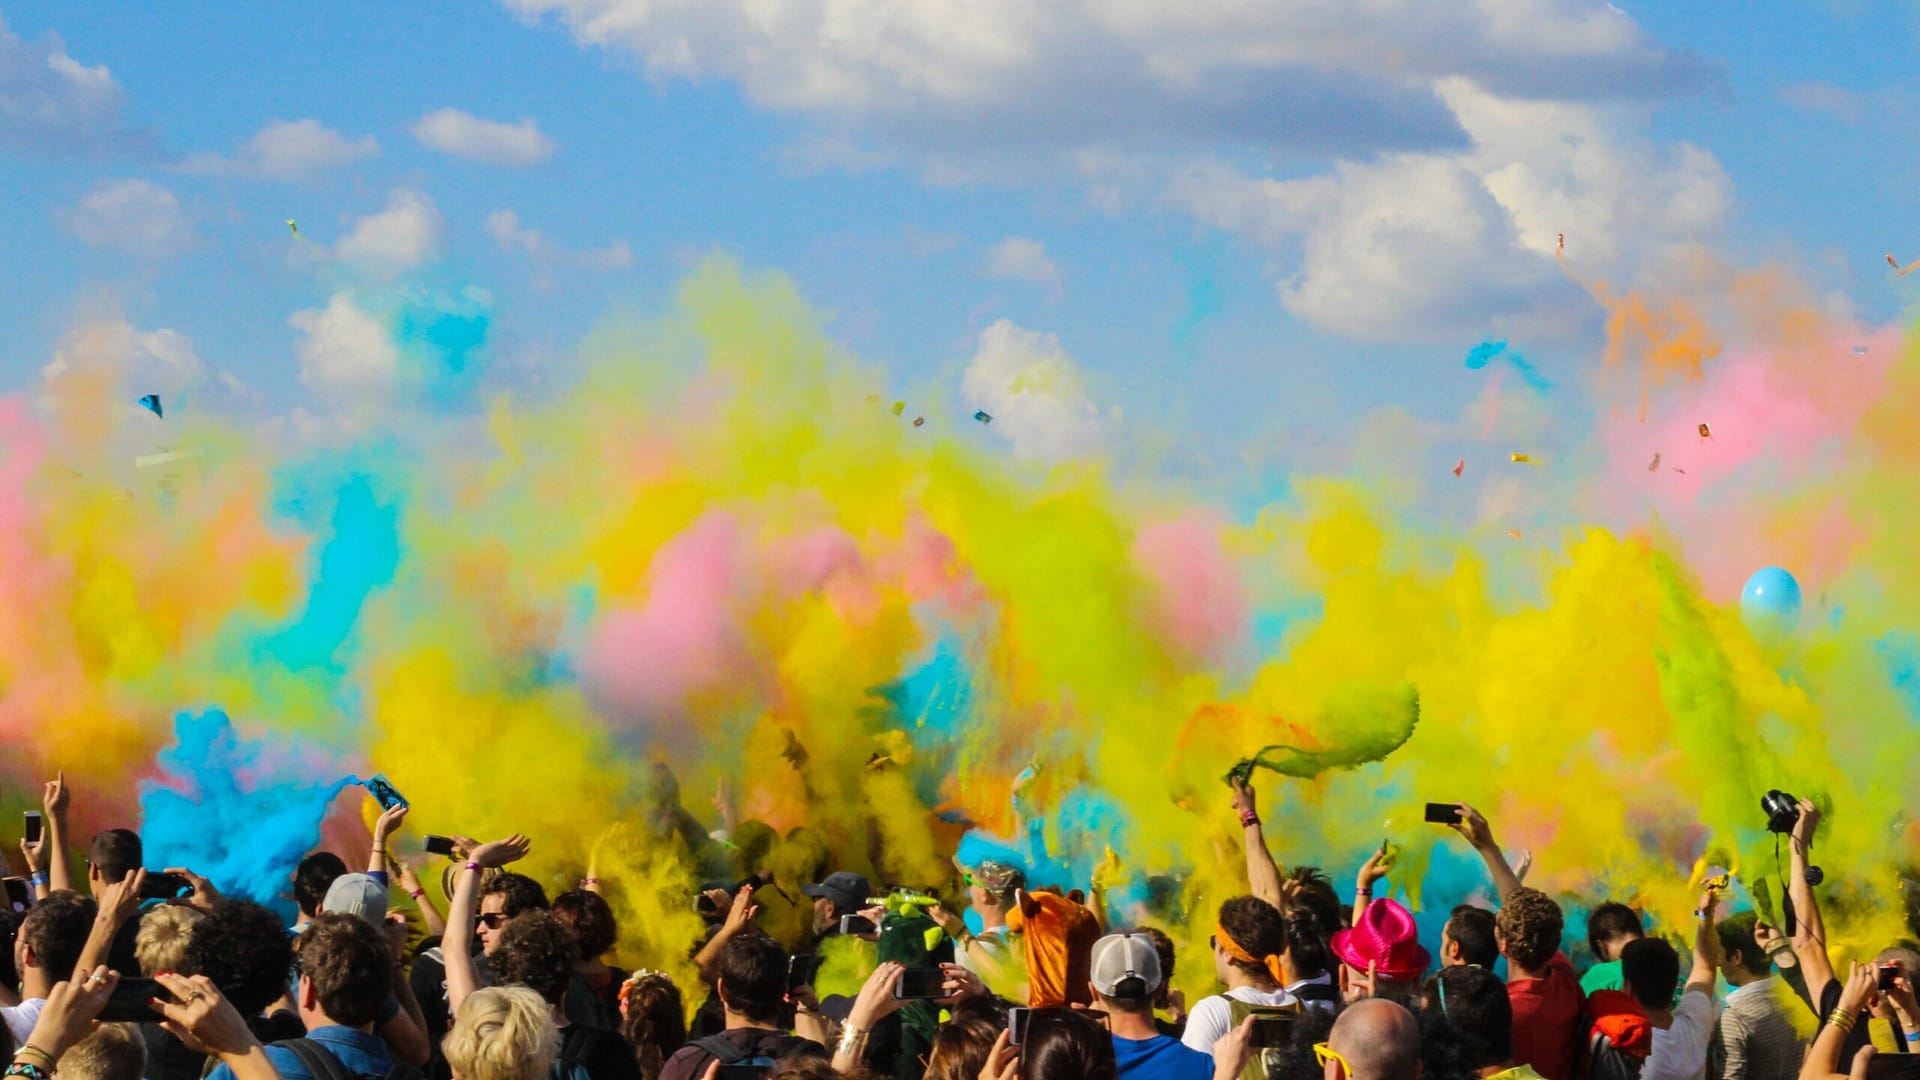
1770 603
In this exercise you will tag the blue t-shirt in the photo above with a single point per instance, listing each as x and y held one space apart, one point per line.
1160 1058
360 1053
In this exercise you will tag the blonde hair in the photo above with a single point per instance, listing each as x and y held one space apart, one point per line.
502 1033
161 943
112 1052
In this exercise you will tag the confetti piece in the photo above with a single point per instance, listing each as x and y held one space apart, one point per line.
1680 470
152 403
1460 466
899 407
918 420
1560 244
983 417
1514 533
1902 271
1522 459
1706 432
1859 350
1654 465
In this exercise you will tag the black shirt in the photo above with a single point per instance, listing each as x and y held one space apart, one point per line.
606 1055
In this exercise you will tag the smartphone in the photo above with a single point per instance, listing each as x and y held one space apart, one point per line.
384 792
440 845
1270 1032
159 886
920 984
857 925
802 970
19 894
34 824
1885 977
1439 813
128 1002
744 1072
1017 1025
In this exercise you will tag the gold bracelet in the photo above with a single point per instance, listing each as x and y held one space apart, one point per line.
1842 1019
853 1040
29 1048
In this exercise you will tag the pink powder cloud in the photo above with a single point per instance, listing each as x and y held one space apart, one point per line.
1200 601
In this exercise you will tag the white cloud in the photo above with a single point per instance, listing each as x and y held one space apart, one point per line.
939 81
345 352
1824 97
133 216
286 150
1035 393
1021 259
399 238
463 134
51 104
505 228
1439 245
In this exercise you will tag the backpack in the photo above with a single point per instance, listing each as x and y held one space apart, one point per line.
727 1052
322 1065
574 1053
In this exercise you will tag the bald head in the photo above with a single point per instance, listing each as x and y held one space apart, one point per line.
1380 1040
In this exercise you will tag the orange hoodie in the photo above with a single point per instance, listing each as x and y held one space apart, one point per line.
1059 936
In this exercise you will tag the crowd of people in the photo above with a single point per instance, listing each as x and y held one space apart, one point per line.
112 978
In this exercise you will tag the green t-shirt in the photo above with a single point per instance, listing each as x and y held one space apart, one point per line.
1604 976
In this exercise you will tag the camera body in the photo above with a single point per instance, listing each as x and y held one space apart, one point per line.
1782 810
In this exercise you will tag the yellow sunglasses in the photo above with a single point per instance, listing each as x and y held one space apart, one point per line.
1324 1053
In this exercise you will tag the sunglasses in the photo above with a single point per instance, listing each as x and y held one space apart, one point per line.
1323 1053
493 920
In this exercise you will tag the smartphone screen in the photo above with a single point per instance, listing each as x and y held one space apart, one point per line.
440 845
857 924
34 823
1270 1032
384 793
802 970
128 1002
1440 813
1894 1067
19 894
744 1072
158 886
919 984
1017 1025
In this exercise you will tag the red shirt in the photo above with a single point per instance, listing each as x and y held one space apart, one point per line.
1546 1021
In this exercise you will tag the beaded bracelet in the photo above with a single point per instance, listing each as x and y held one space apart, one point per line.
29 1048
39 878
27 1069
1248 819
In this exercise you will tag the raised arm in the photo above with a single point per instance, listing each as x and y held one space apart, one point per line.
410 881
119 902
456 945
1473 825
1706 947
55 801
739 917
1371 871
1263 874
1810 932
1823 1058
384 827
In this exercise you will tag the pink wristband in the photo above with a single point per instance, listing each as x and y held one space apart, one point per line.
473 866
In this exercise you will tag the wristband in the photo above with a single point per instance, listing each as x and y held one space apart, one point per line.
27 1069
1843 1019
29 1048
1913 1036
39 878
1778 948
473 866
417 894
852 1041
589 881
1249 818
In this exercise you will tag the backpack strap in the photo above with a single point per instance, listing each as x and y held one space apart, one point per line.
316 1059
722 1049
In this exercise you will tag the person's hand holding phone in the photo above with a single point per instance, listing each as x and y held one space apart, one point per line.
1231 1051
876 1002
741 911
120 901
1373 870
70 1009
201 1018
1858 993
1003 1061
387 824
203 896
959 985
1474 826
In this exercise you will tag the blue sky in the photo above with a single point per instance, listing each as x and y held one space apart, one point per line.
1221 234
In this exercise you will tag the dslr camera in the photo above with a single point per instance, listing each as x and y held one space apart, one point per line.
1782 810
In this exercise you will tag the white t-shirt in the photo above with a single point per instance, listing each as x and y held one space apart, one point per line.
1213 1018
1680 1051
21 1018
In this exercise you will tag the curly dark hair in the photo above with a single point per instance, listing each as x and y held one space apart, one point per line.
313 877
1467 1025
961 1045
590 919
522 894
536 951
1532 923
653 1020
56 930
349 966
1257 927
244 949
1316 893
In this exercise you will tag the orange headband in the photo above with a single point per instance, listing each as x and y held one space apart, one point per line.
1243 956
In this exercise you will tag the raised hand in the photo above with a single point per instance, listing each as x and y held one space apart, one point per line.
57 797
960 984
1809 819
742 912
1859 991
1474 826
389 820
199 1017
120 901
876 1002
68 1015
497 853
204 895
1244 801
1003 1061
1373 870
